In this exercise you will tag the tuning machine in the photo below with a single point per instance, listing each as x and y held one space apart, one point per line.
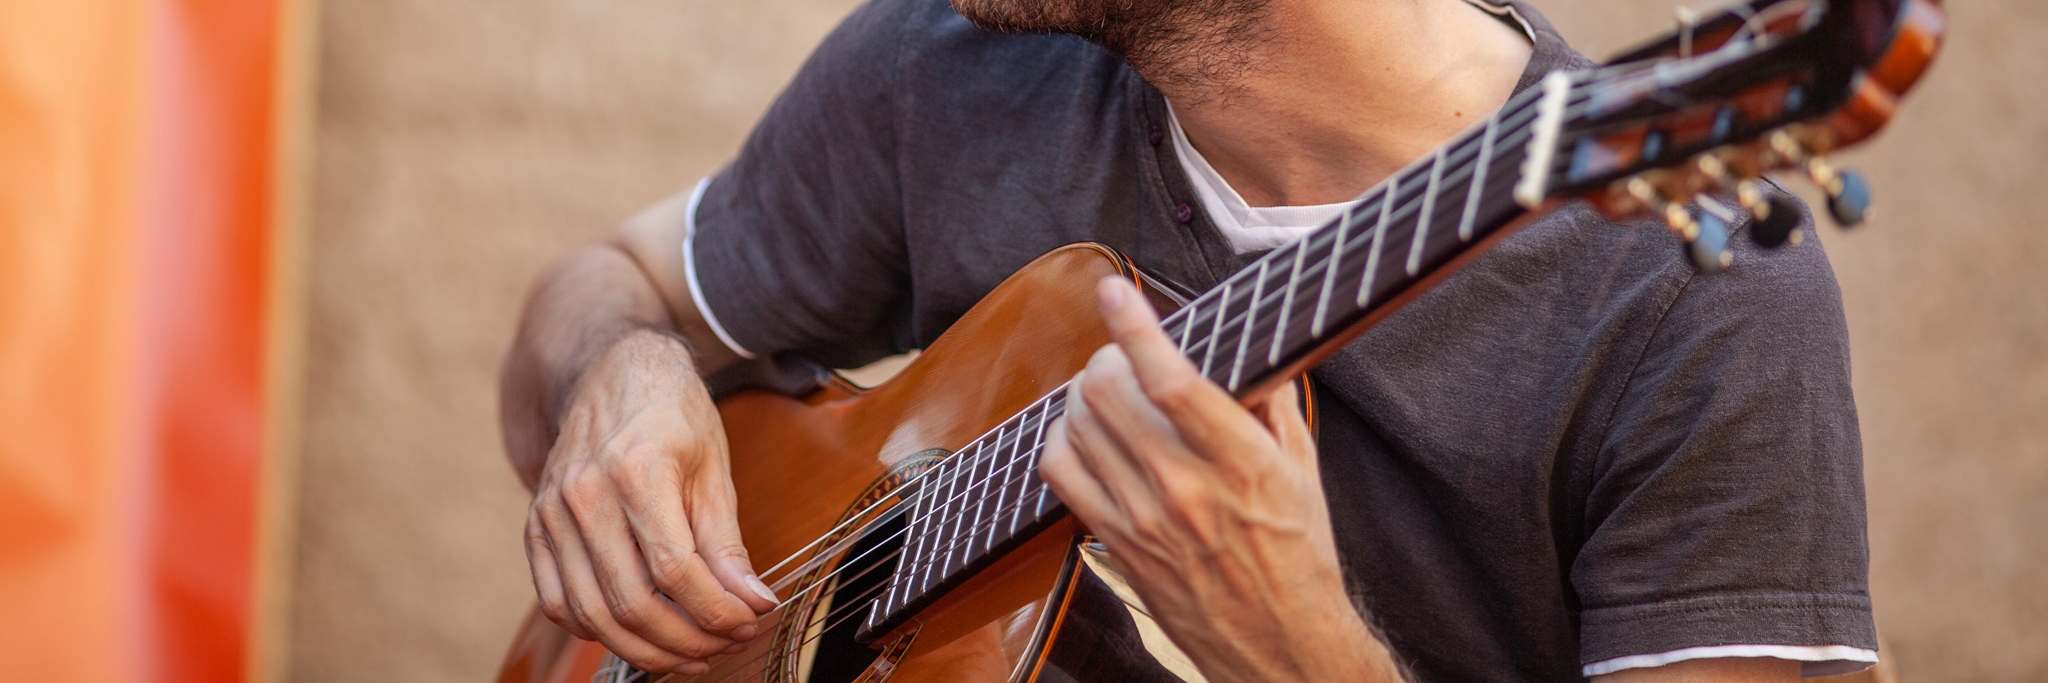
1848 195
1774 217
1705 233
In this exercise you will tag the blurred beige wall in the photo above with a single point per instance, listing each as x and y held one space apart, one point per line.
461 144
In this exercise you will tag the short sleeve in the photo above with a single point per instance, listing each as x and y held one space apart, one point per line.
797 245
1726 504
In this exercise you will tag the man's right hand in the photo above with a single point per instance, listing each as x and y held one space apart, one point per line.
633 536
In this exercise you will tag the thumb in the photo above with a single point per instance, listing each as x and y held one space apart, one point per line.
718 542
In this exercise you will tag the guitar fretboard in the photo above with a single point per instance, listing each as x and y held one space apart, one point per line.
1311 293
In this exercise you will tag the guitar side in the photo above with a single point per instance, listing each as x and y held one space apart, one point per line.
824 465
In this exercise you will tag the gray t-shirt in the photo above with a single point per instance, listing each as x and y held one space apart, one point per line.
1574 450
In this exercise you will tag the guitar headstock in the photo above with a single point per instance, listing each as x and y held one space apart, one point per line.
1758 88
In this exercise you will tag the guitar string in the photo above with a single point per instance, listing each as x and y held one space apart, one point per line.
1009 476
841 613
1408 210
1512 119
846 610
1024 418
1614 75
1231 320
854 606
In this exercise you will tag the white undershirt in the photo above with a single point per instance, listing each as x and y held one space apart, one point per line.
1257 228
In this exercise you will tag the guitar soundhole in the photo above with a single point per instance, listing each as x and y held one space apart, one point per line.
859 580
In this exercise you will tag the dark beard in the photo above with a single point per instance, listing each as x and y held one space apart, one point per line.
1201 50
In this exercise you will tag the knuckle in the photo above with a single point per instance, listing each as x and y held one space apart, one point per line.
1174 392
537 539
721 621
654 662
731 552
630 612
588 615
583 489
670 569
704 648
1098 388
640 468
558 612
1146 524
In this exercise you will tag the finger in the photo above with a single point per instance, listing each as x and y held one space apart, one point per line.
717 529
1070 480
1206 416
1119 405
1280 412
587 602
1102 456
675 555
628 587
547 580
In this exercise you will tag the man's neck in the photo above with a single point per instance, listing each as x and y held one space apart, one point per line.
1337 96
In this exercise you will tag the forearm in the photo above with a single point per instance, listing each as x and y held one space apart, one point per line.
583 304
1350 650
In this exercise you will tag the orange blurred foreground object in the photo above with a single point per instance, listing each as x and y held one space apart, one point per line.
136 203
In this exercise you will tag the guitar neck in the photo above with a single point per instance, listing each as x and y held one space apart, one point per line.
1292 304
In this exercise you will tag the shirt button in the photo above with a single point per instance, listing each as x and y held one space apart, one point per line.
1184 212
1154 135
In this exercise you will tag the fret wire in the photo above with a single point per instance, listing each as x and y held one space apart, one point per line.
941 510
1256 300
919 525
1188 322
1436 176
1337 248
956 503
1009 465
1330 279
1188 328
1379 237
1287 301
1250 316
1038 443
1516 109
1504 204
1485 160
995 458
1223 307
978 490
1056 406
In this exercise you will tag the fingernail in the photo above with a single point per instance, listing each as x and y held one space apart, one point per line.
692 668
761 589
744 632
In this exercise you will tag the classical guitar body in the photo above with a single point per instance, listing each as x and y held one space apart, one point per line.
823 465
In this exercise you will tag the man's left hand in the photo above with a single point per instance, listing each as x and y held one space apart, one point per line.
1213 510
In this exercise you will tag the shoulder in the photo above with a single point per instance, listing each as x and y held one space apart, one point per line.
1775 301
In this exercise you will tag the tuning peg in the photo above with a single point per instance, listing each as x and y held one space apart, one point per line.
1774 218
1709 246
1848 198
1848 194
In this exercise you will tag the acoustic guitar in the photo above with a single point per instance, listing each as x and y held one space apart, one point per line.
923 546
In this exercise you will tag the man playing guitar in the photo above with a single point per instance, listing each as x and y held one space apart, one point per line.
1578 458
